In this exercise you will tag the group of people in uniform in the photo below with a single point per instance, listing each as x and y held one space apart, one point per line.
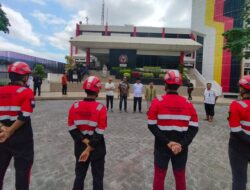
172 119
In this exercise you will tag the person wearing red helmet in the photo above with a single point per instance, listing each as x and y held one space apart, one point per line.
87 121
16 137
239 142
173 121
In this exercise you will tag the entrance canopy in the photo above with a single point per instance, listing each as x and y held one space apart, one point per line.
136 43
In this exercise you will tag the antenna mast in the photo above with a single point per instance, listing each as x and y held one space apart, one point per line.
103 9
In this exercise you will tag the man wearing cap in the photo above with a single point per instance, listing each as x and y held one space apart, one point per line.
239 143
16 136
87 121
173 121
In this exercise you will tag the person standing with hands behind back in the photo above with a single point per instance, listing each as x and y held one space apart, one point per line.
239 143
87 121
123 93
16 136
109 87
173 121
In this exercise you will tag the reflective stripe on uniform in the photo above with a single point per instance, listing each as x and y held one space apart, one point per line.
26 114
76 105
85 122
239 129
72 127
174 117
21 89
243 104
194 124
236 129
152 122
159 98
99 107
245 123
10 108
172 128
8 117
87 132
99 131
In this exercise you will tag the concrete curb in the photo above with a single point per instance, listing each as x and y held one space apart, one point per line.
104 98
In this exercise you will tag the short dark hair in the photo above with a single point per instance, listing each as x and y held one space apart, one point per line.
91 93
14 77
172 86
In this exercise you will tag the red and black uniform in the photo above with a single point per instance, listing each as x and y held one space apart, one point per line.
239 143
171 118
88 119
17 102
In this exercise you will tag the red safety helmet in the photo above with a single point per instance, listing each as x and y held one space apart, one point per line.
173 77
245 82
92 83
20 68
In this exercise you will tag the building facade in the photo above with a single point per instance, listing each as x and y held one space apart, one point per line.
135 47
8 57
210 19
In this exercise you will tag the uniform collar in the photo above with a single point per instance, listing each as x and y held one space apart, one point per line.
89 99
172 93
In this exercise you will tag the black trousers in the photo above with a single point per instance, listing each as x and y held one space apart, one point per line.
64 89
81 168
123 98
139 100
37 87
239 162
109 99
209 108
23 159
189 94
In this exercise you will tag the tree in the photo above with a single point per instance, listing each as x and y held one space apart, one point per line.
70 63
4 21
39 70
239 38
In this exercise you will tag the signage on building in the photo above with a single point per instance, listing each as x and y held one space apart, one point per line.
123 60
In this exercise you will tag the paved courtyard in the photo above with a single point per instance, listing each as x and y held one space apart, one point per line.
129 160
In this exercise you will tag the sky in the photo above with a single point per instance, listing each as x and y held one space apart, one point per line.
43 28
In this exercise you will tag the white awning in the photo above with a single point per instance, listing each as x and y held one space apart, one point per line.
136 43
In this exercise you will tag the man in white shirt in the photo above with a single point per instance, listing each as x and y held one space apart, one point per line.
137 89
109 87
210 98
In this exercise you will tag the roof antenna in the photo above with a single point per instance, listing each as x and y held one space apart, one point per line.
103 9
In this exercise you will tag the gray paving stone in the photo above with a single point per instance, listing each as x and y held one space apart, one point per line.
129 160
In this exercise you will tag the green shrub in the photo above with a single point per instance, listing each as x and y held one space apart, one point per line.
148 75
3 83
116 68
39 70
128 75
161 76
125 71
156 74
152 69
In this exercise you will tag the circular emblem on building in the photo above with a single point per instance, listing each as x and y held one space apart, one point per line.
123 59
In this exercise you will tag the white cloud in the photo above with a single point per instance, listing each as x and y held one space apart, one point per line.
8 46
40 2
159 13
47 18
21 28
61 39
